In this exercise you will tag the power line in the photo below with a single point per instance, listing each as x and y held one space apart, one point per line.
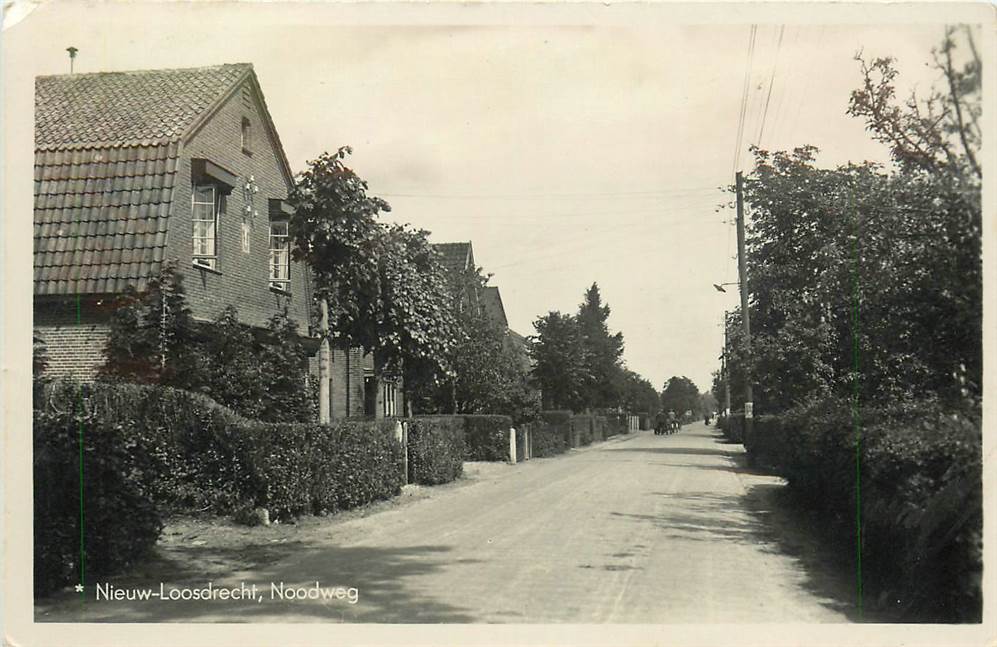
775 63
529 196
744 98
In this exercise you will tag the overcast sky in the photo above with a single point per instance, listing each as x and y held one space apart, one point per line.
567 155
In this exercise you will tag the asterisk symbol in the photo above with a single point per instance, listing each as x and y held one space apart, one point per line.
79 588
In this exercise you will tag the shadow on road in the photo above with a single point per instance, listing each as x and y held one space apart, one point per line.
380 575
763 515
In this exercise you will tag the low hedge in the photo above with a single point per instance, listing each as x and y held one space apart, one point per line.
487 437
548 439
581 430
151 450
436 449
559 421
920 474
616 424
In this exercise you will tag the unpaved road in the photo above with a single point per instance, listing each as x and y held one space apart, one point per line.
640 529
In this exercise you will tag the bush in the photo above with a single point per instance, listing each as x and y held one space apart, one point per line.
436 449
560 422
487 437
548 439
921 495
120 521
150 450
581 430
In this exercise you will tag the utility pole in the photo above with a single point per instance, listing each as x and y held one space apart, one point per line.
724 370
742 272
324 371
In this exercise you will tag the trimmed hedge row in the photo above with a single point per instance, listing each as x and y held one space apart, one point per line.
581 430
152 450
920 473
487 437
436 449
548 439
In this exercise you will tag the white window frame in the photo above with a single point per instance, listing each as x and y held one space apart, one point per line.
278 279
202 259
389 405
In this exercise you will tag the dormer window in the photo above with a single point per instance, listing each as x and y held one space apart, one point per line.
247 136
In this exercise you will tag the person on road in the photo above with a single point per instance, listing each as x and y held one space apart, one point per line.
660 423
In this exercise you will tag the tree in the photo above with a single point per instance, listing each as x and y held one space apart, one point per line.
603 352
561 365
866 281
939 133
680 395
639 395
152 333
413 324
378 287
335 231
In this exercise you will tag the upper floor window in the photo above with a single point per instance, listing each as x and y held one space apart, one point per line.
247 135
280 255
204 215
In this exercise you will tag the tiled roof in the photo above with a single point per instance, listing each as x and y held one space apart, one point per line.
106 156
100 217
455 257
126 108
491 302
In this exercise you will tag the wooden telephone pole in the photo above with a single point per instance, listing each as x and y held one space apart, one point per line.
742 272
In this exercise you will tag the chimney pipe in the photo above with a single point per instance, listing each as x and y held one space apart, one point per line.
72 55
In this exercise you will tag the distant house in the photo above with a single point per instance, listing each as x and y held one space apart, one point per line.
134 169
458 258
491 304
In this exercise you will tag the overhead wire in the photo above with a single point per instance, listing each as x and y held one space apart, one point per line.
768 96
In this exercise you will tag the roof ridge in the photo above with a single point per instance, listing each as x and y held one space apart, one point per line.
199 68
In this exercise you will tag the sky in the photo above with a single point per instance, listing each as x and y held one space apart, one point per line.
567 154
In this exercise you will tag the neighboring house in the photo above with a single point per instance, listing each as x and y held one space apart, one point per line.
491 304
458 259
135 169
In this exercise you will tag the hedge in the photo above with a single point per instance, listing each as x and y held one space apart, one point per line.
920 475
548 439
487 437
152 450
582 430
436 449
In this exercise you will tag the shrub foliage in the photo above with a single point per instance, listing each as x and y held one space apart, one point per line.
151 450
436 449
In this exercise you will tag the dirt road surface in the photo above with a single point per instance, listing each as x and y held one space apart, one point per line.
639 529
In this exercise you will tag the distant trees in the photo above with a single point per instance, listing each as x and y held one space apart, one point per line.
603 352
561 365
638 395
680 395
578 362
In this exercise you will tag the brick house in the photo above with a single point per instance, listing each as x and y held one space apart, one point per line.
134 169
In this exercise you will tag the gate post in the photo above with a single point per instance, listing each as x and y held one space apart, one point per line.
512 445
401 435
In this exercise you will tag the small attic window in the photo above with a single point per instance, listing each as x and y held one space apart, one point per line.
247 136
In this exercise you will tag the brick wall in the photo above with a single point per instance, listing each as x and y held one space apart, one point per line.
74 349
241 278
